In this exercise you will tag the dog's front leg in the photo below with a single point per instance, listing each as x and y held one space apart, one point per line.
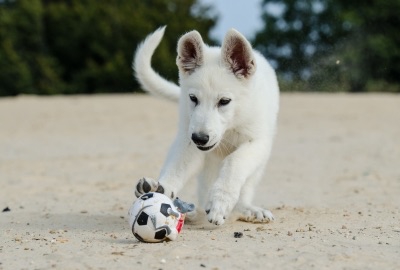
182 162
236 168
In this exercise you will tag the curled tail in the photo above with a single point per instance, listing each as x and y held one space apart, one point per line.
150 80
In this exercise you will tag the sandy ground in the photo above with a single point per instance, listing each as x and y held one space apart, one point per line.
68 166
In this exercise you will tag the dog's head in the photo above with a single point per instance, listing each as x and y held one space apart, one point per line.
213 81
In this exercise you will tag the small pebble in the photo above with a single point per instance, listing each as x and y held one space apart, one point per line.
238 234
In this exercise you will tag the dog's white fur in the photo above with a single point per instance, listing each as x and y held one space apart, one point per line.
229 94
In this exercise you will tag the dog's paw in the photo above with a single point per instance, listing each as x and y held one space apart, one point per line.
216 213
219 207
254 214
146 185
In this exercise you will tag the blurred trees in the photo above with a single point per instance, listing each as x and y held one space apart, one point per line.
24 64
333 45
86 46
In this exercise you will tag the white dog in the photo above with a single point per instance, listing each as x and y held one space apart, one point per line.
228 105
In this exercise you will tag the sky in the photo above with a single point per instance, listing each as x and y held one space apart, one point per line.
243 15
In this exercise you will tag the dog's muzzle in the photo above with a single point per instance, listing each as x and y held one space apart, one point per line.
206 148
201 139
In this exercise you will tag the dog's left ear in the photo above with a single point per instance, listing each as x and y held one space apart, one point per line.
237 55
190 52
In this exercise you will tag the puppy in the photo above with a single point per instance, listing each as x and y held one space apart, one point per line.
228 104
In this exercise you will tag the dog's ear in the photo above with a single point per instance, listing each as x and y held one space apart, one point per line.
190 52
237 54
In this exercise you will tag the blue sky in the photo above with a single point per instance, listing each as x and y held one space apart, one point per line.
243 15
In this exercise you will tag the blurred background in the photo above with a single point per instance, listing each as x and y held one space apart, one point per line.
52 47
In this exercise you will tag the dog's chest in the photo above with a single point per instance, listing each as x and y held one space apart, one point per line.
230 142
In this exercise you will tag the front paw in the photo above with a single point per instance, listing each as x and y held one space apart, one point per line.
218 208
146 185
254 214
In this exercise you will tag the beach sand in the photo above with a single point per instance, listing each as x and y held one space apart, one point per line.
69 164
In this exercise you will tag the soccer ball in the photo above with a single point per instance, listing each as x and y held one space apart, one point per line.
154 218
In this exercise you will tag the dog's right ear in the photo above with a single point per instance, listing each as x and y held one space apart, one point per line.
190 52
237 55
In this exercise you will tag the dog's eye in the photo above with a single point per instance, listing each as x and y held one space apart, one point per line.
224 101
194 99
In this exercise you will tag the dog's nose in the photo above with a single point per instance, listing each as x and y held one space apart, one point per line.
200 138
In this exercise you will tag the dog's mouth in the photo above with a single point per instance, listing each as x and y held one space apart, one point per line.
205 148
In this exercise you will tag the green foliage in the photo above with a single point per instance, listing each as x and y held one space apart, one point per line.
333 45
24 65
86 46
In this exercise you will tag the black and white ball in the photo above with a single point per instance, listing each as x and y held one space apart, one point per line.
154 218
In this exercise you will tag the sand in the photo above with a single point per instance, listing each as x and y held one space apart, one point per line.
68 166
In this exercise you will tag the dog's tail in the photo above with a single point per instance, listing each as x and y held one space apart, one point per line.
150 80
